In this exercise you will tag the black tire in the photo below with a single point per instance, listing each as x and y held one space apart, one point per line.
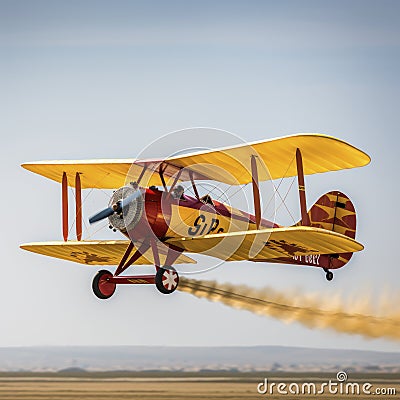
101 288
167 280
329 275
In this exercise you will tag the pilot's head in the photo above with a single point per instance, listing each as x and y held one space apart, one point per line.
178 192
134 185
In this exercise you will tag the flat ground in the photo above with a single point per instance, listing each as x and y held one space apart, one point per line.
174 386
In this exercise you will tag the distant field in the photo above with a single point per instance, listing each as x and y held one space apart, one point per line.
156 385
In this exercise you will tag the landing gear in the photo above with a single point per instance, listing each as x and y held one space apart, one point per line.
104 283
167 280
102 287
329 275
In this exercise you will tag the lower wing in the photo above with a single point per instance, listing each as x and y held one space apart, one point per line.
269 243
97 252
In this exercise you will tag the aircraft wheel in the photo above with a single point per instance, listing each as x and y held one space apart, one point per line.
101 286
167 280
329 275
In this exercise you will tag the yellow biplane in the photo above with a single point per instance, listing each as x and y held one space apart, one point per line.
161 223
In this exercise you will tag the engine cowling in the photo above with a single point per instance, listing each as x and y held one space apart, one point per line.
132 213
145 216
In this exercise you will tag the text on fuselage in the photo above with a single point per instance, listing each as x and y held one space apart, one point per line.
310 259
201 227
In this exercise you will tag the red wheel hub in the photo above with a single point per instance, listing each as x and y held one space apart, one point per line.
106 287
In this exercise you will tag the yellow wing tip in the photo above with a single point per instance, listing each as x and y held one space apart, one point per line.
28 246
368 158
365 158
26 165
362 154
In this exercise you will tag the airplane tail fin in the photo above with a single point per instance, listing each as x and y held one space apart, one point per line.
334 211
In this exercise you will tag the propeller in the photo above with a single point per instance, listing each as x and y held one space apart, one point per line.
118 208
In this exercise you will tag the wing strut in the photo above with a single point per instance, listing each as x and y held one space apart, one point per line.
161 173
305 221
174 183
256 190
141 174
124 264
194 185
156 255
64 203
78 206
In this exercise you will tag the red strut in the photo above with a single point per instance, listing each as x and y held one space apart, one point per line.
256 190
78 206
305 220
64 205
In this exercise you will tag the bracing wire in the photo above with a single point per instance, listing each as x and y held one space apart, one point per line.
283 200
280 182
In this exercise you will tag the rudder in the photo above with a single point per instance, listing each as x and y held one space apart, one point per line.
334 211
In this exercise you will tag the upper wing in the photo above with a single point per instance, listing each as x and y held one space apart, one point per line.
100 174
96 252
110 173
269 243
231 165
320 153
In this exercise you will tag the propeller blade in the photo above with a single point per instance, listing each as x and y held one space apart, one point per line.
118 208
107 212
125 202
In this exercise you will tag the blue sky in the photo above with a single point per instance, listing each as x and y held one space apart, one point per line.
101 79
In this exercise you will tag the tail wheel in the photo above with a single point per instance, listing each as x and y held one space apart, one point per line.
167 280
329 275
102 287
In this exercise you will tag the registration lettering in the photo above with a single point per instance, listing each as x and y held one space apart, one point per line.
309 259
